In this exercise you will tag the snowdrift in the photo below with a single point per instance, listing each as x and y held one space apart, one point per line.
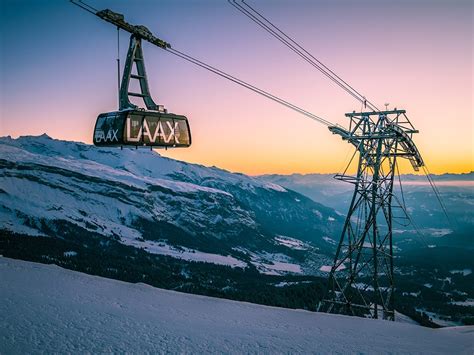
49 309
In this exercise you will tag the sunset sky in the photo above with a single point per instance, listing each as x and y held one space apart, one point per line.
58 72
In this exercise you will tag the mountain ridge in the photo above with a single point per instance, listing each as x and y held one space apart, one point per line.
162 205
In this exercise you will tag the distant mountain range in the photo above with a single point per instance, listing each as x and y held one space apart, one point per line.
408 177
441 177
456 191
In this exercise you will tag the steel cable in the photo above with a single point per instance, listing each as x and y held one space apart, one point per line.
286 43
248 86
267 25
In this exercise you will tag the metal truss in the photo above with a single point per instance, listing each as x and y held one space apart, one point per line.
361 279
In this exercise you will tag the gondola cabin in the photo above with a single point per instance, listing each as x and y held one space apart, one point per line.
131 125
141 128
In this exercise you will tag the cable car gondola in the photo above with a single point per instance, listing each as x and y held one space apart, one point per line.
130 125
142 128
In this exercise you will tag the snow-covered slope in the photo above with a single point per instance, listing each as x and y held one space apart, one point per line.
46 309
65 189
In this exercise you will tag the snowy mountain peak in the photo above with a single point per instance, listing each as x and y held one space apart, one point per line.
59 188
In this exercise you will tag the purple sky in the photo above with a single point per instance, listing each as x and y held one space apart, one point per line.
57 72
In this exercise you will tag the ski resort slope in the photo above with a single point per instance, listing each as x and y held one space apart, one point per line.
47 309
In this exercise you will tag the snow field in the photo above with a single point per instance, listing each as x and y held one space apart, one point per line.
47 309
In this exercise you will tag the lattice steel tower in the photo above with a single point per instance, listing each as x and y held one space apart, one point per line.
361 278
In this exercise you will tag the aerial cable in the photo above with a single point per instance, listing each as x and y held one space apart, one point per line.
248 86
266 24
297 48
402 203
85 6
404 206
291 47
411 221
118 64
436 192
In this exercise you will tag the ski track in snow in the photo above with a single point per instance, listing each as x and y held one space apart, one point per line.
47 309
